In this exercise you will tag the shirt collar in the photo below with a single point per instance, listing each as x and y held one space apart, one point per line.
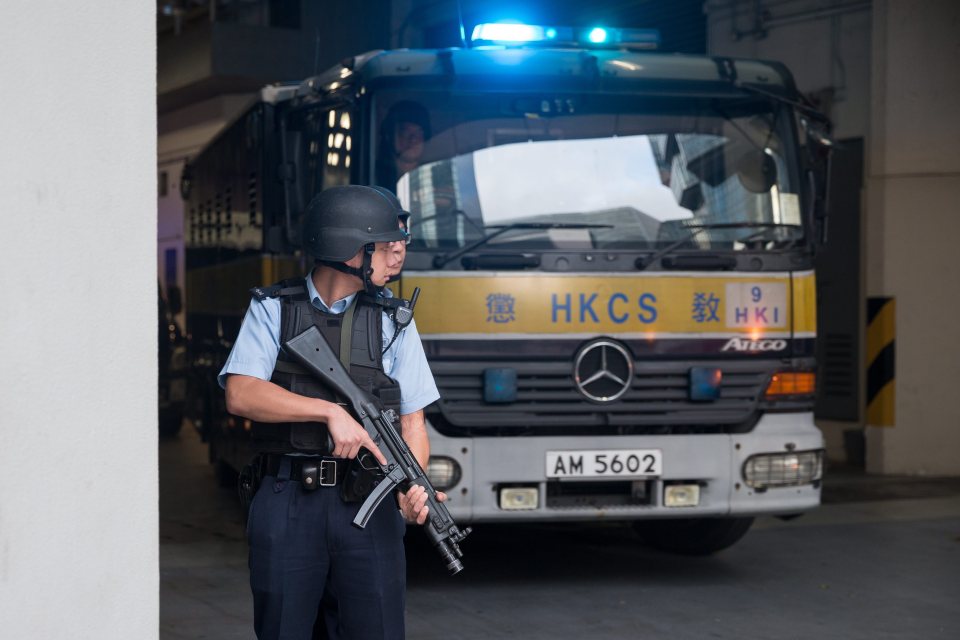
337 307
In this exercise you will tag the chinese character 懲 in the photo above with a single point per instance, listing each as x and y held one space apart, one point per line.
500 308
705 307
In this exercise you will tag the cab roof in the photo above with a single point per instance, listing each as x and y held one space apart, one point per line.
538 68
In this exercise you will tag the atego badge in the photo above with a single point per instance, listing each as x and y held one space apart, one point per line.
745 344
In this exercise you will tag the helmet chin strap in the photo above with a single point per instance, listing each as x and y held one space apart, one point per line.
364 272
368 285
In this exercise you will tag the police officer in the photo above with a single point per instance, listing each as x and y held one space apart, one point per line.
300 522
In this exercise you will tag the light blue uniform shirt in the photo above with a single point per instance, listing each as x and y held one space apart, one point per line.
258 343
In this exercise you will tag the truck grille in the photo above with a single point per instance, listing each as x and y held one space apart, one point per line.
548 402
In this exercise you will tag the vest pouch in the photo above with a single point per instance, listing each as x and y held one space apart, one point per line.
390 397
309 436
343 334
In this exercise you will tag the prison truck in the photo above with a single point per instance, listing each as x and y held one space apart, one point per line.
615 252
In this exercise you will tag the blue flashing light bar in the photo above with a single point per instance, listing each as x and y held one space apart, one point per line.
597 35
510 32
518 34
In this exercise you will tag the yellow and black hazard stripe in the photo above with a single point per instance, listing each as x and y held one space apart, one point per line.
881 359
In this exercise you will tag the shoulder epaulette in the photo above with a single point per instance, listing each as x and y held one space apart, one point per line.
280 289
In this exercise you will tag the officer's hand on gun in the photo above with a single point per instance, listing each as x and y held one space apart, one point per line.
413 503
349 437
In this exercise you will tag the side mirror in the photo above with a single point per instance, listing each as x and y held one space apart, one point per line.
819 144
818 132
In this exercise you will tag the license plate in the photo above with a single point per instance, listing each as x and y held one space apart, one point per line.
605 463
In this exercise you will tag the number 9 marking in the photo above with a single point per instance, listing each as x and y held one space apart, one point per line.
756 293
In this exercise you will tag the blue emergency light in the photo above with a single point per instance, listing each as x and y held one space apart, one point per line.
597 35
499 385
705 384
514 34
510 32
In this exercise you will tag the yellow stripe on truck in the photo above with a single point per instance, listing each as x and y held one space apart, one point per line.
752 304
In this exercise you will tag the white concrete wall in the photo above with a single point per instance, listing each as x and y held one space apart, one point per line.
78 399
914 199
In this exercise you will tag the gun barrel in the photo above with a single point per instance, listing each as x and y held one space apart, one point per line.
451 556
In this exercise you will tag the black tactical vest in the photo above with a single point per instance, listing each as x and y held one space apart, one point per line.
359 349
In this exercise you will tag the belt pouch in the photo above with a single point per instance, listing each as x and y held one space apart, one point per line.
309 472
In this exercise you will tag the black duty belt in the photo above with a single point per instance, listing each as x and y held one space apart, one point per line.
310 471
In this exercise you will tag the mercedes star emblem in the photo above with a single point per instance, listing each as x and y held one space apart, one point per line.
603 370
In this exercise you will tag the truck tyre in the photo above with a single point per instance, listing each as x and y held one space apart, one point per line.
693 536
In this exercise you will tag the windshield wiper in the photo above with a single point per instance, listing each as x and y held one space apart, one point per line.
455 212
442 259
698 228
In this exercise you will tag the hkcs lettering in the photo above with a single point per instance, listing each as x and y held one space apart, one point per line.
564 308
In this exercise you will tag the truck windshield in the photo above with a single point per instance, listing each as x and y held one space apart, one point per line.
626 173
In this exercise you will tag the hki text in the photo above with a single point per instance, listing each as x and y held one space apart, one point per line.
590 307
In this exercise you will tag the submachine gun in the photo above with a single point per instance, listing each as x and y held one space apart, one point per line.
402 469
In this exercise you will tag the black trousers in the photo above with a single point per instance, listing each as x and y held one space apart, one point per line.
304 541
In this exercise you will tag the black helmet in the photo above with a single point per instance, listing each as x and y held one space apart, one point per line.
402 213
340 221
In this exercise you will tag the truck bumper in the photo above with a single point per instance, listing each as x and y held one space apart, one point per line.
713 462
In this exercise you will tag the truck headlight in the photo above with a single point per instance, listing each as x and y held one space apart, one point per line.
787 469
443 472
